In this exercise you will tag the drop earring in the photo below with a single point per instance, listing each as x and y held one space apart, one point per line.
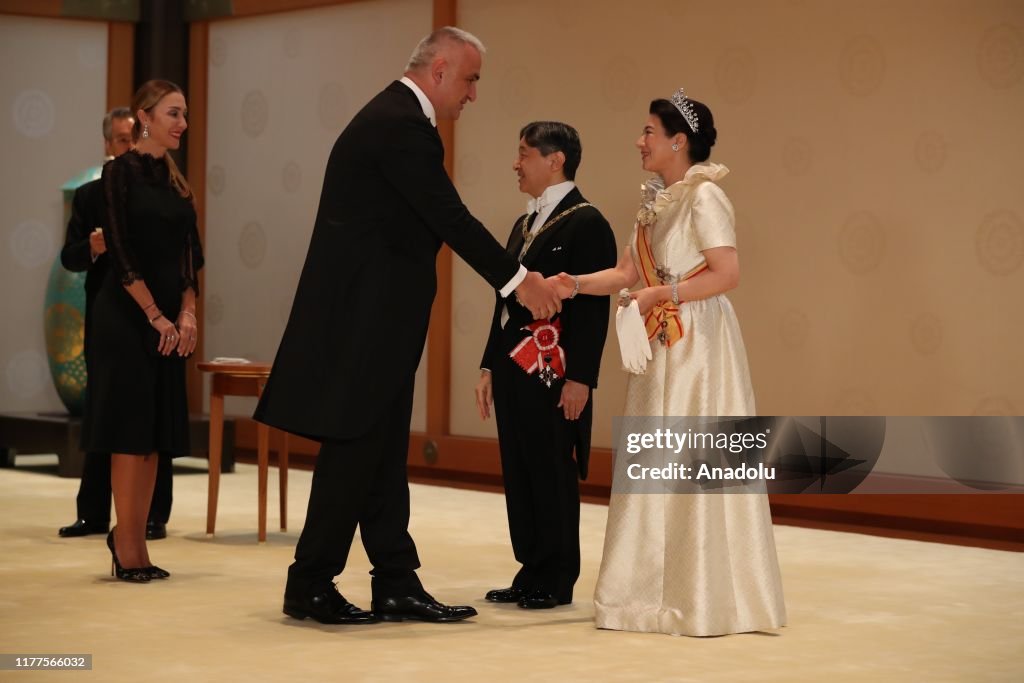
145 131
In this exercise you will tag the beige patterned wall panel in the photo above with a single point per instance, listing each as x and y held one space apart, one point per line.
877 157
282 88
53 89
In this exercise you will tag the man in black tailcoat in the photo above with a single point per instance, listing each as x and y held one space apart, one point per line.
344 371
539 375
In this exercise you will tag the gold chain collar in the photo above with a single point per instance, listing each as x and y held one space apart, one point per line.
529 237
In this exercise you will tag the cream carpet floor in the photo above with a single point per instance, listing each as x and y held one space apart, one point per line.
861 608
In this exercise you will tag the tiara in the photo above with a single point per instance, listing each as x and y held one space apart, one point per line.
685 108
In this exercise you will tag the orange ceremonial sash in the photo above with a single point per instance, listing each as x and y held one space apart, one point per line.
663 321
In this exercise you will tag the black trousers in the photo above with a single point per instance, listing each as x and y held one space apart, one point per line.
361 482
541 478
93 501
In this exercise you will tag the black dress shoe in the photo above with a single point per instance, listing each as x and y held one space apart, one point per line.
155 530
421 608
541 600
505 595
328 607
82 528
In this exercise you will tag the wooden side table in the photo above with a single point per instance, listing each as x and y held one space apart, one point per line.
243 379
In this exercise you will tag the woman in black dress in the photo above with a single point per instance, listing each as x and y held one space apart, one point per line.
143 321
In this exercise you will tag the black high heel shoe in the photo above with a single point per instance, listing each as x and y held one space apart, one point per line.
156 572
134 575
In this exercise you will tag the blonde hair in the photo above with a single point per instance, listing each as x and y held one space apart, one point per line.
146 98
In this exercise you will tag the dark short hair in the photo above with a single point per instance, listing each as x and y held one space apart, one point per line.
553 136
108 120
701 142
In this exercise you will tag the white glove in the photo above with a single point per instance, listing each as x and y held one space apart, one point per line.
633 343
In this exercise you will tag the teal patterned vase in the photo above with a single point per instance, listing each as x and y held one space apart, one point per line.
64 317
64 325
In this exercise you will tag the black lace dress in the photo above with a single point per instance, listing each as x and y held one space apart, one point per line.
135 398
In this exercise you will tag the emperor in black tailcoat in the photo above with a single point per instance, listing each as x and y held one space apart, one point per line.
545 446
538 443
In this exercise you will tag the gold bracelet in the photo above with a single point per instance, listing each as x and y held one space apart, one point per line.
188 312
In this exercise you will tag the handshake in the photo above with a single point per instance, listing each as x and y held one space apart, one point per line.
543 296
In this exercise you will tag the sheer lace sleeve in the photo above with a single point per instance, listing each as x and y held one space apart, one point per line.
115 190
191 260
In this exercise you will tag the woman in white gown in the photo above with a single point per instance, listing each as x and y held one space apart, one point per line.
687 564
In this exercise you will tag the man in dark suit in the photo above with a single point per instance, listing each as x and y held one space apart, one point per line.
539 376
85 250
345 368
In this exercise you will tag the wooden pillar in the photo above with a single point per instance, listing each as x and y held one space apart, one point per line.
198 75
439 338
120 63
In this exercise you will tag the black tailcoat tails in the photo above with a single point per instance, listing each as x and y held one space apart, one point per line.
537 442
345 368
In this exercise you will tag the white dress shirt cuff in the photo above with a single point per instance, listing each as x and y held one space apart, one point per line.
511 285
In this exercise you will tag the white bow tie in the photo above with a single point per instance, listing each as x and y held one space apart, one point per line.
535 205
